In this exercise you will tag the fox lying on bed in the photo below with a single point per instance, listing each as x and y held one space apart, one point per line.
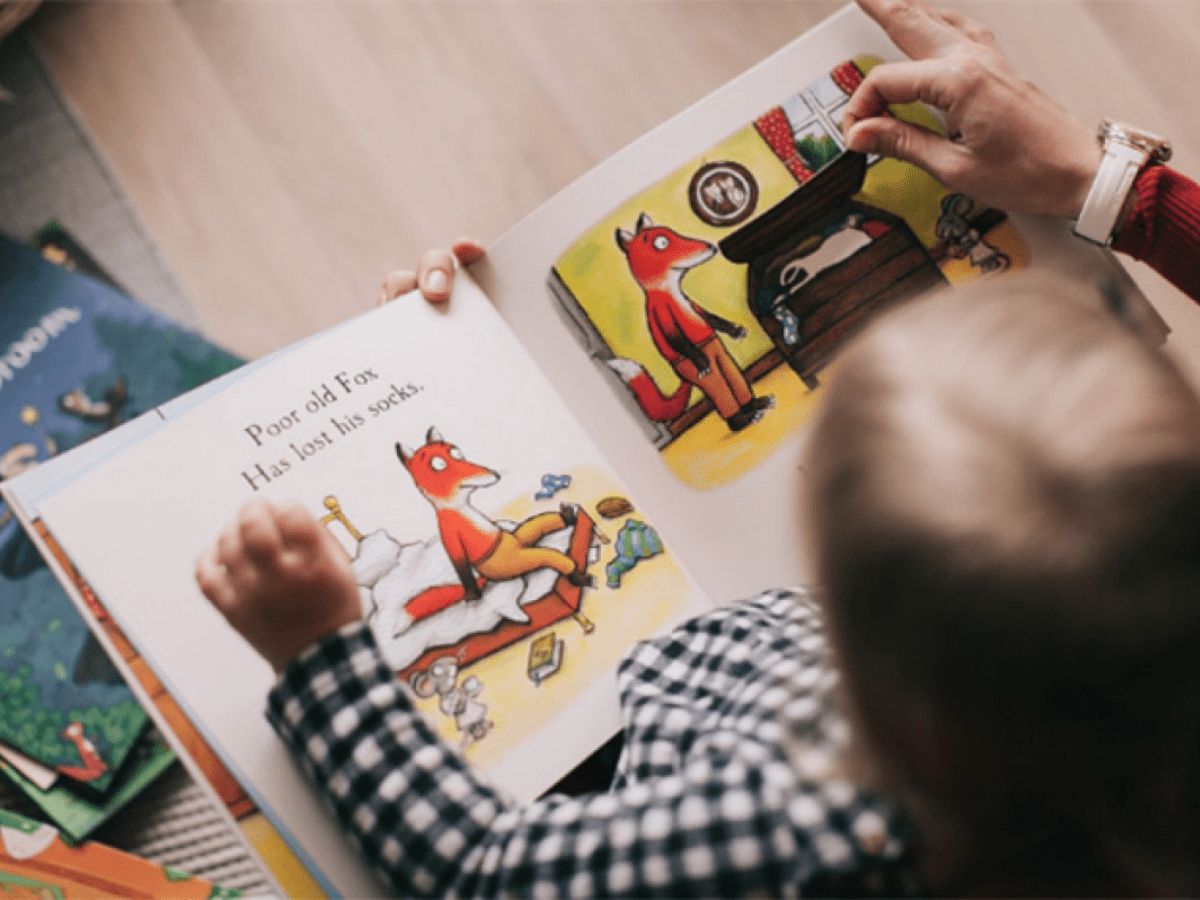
474 543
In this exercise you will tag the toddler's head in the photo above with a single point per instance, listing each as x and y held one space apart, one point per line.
1005 502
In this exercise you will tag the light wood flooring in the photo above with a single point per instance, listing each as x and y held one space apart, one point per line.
285 155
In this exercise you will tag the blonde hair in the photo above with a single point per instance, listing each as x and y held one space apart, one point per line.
1005 498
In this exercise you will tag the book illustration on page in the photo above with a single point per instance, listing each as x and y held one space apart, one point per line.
501 598
716 297
503 566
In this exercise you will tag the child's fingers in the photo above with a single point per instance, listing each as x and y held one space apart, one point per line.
312 547
396 283
435 275
230 551
467 251
298 529
213 580
259 533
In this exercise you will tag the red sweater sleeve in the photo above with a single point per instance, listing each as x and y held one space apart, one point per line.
1164 228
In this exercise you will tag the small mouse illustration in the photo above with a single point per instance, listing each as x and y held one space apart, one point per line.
454 700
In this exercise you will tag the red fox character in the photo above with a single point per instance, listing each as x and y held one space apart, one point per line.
684 332
474 542
654 403
93 766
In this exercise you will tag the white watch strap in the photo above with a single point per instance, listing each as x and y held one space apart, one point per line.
1114 179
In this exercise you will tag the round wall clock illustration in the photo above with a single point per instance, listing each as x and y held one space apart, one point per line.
723 193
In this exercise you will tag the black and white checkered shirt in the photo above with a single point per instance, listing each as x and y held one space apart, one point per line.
722 789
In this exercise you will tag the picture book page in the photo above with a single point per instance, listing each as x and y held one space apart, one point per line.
416 435
693 291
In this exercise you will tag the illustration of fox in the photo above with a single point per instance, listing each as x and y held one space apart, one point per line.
474 543
683 331
657 406
93 765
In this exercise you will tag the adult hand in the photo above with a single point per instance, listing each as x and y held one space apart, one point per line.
434 274
1008 146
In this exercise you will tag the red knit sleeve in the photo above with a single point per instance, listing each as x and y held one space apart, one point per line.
1164 228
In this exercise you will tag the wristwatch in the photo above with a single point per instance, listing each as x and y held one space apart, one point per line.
1126 150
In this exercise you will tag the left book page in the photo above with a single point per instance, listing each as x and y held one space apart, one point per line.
522 677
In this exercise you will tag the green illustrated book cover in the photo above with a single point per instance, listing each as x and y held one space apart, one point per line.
77 358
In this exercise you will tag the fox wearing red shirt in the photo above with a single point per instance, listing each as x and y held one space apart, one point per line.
684 332
473 541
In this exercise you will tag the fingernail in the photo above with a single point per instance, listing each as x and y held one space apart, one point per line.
856 140
436 280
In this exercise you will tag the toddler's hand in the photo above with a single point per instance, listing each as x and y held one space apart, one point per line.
434 274
280 579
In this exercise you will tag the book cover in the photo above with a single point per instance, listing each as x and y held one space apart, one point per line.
36 863
76 815
76 359
55 243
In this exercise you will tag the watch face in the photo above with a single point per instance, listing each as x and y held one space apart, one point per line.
1158 147
723 193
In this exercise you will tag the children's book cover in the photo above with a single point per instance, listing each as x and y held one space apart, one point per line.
55 243
78 816
502 565
76 359
35 863
717 297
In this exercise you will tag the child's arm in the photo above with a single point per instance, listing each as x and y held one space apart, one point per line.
712 810
707 809
277 576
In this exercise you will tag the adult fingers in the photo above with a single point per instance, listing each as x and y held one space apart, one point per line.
908 143
911 27
930 81
969 28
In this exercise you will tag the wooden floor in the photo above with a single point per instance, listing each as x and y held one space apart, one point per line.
285 155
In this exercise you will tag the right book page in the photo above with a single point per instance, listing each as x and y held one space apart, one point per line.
690 295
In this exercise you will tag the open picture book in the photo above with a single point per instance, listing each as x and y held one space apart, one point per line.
598 437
